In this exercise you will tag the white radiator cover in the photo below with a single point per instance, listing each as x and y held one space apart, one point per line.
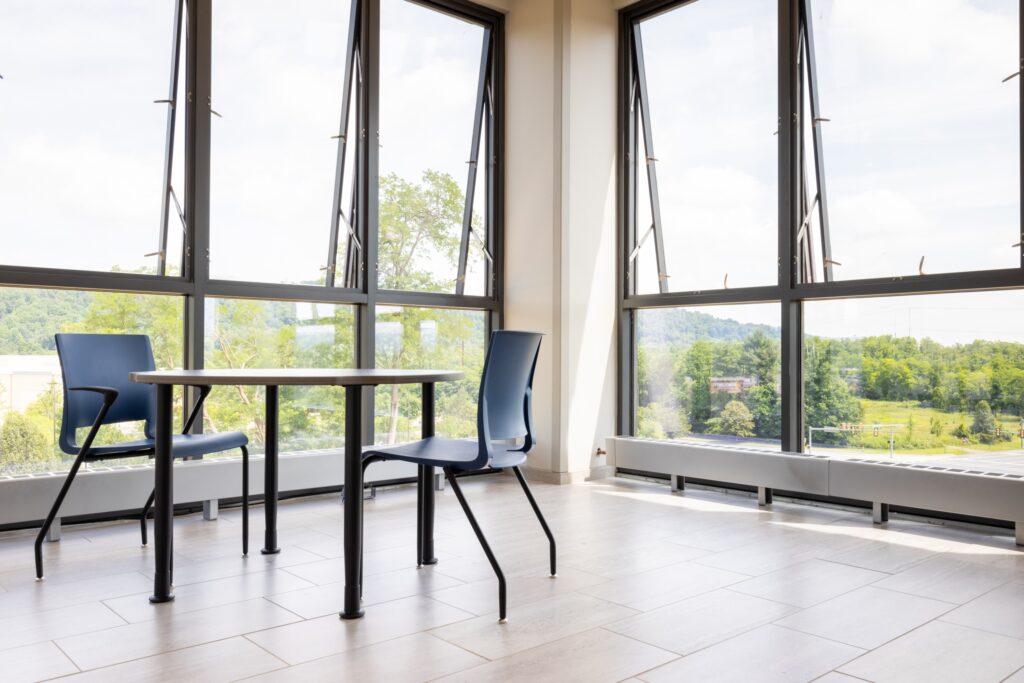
111 489
980 494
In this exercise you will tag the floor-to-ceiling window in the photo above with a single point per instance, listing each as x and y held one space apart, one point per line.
821 229
252 185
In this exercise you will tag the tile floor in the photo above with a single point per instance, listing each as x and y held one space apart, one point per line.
701 585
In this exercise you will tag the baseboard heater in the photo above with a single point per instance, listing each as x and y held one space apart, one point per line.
109 489
961 491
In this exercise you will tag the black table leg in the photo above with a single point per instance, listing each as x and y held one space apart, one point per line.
270 475
353 510
163 505
425 494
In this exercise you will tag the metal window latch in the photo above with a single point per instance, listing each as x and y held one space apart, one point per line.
330 268
1016 73
819 119
154 253
920 266
338 137
832 262
725 282
1014 246
170 102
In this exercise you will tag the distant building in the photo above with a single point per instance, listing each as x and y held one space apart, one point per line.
731 385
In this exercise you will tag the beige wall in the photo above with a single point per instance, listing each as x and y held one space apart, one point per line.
560 218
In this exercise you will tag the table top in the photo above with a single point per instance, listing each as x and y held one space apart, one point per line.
295 376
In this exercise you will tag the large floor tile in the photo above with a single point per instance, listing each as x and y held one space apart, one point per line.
651 589
808 583
939 652
481 597
409 659
40 596
319 601
222 660
769 654
35 627
531 625
999 611
315 638
35 662
196 596
590 657
866 617
946 578
690 625
172 632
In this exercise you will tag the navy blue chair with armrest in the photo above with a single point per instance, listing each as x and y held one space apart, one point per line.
504 413
97 392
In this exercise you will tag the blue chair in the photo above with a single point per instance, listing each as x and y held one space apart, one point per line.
97 392
504 413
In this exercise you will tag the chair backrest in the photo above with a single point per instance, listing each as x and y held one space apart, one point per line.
104 360
506 385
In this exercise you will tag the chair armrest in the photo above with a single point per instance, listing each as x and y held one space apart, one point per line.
204 391
109 393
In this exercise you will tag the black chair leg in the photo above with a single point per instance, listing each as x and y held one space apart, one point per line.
540 517
53 515
483 543
145 515
245 501
366 464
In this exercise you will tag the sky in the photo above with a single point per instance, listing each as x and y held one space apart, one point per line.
921 150
82 142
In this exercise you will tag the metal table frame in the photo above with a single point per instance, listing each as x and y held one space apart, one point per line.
354 381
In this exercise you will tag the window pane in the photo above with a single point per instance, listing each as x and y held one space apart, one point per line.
429 64
711 78
941 376
429 338
242 333
31 393
921 148
710 374
81 139
278 73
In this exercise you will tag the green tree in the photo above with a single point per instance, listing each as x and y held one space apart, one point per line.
734 419
828 401
698 369
22 442
984 424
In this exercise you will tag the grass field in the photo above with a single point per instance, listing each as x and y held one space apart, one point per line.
917 436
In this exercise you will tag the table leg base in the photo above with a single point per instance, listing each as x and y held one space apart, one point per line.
432 560
355 615
270 551
155 600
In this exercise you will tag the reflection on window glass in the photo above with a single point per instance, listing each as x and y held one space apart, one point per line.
924 377
430 64
278 72
710 374
266 334
81 138
917 165
31 393
429 338
711 78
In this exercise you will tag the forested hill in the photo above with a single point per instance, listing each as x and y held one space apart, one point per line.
30 317
680 327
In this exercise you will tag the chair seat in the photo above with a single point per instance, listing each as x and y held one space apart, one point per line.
441 452
183 446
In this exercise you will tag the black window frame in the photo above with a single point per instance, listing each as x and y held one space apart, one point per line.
192 32
791 290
